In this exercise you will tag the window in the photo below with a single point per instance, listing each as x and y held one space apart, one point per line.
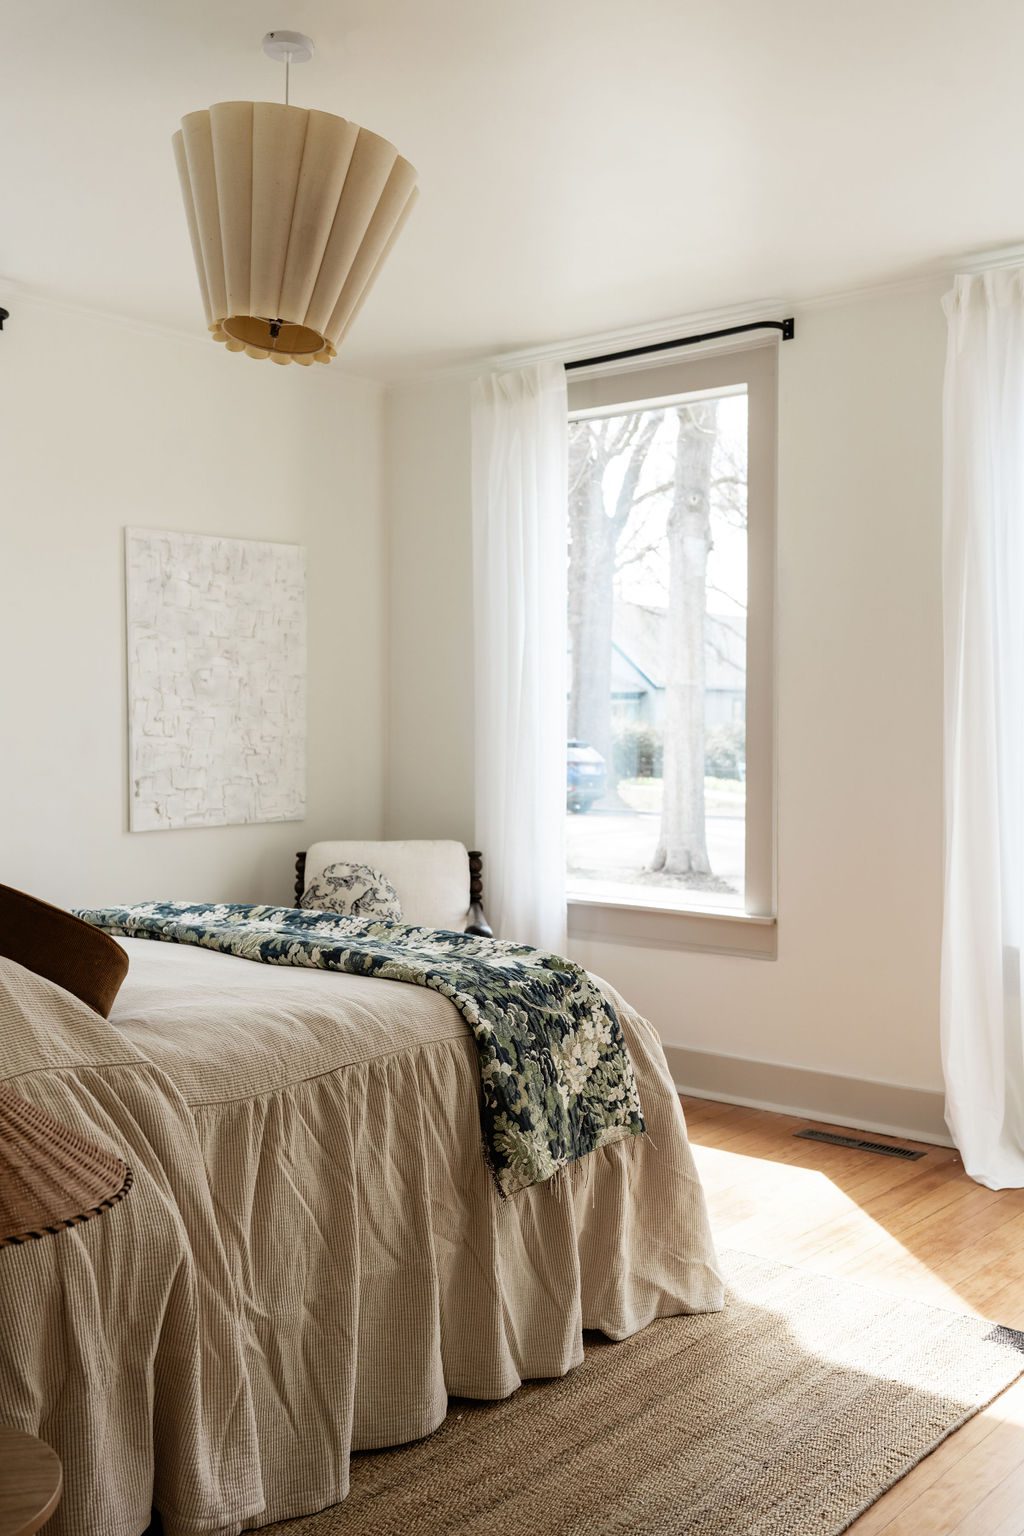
669 781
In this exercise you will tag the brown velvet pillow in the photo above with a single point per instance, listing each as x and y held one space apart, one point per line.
62 948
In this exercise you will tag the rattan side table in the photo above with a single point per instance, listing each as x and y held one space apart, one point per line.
30 1482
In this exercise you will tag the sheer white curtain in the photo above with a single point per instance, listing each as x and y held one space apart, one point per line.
983 601
520 435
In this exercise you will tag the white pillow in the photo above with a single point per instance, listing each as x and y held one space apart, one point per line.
431 877
353 890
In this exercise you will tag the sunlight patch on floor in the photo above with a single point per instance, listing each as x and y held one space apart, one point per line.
800 1216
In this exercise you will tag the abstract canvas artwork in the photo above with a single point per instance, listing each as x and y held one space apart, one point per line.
216 680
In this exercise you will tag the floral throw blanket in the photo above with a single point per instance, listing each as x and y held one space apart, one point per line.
557 1079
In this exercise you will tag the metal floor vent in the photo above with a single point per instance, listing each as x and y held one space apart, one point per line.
908 1154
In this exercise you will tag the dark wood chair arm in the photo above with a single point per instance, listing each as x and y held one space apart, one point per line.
477 924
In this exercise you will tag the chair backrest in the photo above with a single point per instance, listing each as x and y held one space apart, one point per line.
430 877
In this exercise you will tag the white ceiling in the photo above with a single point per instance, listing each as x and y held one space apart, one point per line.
585 165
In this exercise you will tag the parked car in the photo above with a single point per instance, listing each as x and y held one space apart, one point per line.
585 776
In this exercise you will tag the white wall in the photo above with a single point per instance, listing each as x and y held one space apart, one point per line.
103 425
430 561
854 990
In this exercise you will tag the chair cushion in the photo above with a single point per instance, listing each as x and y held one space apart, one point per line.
353 890
431 879
55 944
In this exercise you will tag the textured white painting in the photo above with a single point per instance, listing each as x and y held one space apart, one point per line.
216 680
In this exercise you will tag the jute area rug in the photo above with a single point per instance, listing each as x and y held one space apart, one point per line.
786 1415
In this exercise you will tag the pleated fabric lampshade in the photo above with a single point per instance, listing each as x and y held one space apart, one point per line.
292 213
50 1177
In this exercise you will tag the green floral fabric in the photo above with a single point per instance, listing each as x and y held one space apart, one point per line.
556 1075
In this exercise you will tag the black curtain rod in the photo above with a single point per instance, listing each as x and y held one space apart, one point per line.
787 328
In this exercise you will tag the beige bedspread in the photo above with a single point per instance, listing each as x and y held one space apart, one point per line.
313 1256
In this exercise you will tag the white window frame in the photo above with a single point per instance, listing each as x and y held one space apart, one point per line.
752 932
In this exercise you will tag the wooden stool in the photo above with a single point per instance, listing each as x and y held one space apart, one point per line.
30 1483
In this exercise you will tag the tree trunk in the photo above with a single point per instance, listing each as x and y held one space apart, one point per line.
594 534
591 581
682 841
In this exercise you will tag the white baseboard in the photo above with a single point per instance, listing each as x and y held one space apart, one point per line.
891 1109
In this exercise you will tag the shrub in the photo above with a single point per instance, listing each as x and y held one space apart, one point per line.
724 751
637 751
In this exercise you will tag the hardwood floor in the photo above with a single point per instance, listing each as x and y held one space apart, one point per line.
917 1228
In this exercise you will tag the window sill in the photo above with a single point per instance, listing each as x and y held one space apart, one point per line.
714 931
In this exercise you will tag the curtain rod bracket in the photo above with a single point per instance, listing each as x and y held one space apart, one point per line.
787 329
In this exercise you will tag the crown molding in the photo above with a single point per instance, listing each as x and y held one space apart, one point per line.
990 261
649 334
681 325
23 293
932 277
929 275
663 330
597 342
63 305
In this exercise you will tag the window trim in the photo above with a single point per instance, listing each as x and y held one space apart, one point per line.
752 931
594 919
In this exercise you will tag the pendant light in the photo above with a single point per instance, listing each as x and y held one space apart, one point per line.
292 213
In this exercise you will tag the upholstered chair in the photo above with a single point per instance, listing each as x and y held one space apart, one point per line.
439 883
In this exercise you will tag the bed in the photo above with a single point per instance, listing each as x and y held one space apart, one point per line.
314 1256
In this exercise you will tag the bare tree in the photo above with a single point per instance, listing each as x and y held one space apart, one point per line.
596 523
682 842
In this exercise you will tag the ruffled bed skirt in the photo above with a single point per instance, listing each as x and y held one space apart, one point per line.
312 1269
